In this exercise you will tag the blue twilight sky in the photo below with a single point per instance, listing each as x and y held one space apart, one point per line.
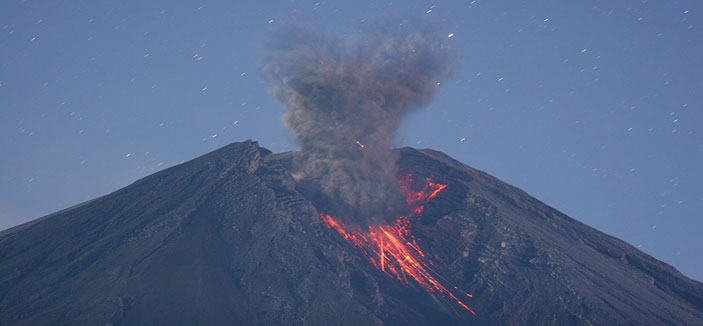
594 107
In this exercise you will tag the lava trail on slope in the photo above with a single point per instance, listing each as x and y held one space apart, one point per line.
393 249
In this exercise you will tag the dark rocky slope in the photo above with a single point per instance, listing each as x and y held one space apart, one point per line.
227 239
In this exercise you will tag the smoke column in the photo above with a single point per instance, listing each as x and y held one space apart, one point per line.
346 98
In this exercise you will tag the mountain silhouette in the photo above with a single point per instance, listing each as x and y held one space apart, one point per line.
231 238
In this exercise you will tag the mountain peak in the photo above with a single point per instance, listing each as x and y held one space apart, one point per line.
231 237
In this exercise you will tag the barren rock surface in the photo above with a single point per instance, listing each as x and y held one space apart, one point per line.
229 238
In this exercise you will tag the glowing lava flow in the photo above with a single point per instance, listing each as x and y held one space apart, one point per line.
392 248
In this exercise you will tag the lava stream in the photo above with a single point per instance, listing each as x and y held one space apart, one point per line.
393 249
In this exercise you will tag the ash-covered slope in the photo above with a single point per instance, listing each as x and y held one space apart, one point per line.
228 238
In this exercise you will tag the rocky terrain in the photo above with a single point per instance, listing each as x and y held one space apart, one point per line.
230 238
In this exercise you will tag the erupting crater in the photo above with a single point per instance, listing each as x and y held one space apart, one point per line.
393 249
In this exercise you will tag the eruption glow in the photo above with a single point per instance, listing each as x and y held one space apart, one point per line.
393 249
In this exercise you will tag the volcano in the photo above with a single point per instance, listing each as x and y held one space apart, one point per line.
232 238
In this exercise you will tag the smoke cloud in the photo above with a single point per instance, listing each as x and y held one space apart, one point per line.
347 96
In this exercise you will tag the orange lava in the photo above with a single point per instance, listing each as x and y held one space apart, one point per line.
393 249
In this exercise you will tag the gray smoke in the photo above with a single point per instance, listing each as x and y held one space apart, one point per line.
346 97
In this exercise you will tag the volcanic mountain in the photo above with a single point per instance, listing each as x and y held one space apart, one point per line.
231 238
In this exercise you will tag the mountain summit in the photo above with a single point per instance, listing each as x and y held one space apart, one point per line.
232 238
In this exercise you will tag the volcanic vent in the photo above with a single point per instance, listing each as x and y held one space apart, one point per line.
347 97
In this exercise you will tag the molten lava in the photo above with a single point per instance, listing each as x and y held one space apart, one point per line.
393 249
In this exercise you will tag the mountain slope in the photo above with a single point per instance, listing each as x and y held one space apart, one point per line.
231 238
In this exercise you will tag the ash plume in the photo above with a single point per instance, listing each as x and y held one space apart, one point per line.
347 96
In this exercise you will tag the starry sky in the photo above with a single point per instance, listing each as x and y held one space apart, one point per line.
594 107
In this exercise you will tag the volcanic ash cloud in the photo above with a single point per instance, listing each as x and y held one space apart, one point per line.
347 96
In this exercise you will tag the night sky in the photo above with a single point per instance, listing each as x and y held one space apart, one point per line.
594 107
